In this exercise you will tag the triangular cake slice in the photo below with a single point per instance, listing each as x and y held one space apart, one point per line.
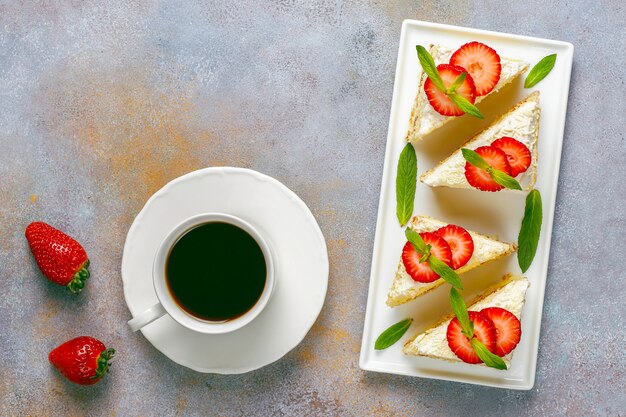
405 289
509 294
521 123
425 119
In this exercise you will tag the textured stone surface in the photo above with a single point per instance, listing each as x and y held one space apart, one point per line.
103 102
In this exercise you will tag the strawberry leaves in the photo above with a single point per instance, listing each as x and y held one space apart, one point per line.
429 67
498 176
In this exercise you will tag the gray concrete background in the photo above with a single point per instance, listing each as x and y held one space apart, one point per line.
103 102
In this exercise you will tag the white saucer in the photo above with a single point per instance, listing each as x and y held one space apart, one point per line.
301 267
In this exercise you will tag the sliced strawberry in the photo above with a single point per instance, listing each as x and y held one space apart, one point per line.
483 64
479 178
461 244
421 272
516 152
484 330
439 100
508 329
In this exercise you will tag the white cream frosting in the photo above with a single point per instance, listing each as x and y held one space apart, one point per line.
428 119
521 124
485 249
434 343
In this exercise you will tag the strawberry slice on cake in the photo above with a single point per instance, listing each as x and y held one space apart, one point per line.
439 100
481 62
457 247
509 145
495 316
487 72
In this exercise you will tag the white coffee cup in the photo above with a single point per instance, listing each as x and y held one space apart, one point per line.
167 305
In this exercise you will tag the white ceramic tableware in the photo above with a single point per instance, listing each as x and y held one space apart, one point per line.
167 304
497 214
300 270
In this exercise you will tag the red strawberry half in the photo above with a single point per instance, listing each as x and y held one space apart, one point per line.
508 329
484 330
422 272
516 152
483 64
83 360
461 244
479 178
61 259
439 99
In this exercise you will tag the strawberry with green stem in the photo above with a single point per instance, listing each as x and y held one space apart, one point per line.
83 360
60 258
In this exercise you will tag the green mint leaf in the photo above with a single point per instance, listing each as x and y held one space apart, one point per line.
428 65
417 241
406 181
473 158
465 106
392 334
457 83
540 71
460 311
445 272
490 359
504 179
425 256
528 238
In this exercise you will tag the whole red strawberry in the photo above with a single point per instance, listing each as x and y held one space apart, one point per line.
83 360
61 259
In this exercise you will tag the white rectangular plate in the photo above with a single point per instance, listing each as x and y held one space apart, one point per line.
497 214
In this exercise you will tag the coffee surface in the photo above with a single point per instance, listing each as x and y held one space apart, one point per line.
216 271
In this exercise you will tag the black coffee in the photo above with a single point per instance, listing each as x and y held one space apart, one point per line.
216 271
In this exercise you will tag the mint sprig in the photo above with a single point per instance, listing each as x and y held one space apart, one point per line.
428 65
467 107
460 311
504 179
467 327
498 176
540 71
457 83
445 272
440 268
473 158
528 238
392 334
417 241
490 359
406 180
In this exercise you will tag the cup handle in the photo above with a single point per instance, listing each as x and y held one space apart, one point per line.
147 317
